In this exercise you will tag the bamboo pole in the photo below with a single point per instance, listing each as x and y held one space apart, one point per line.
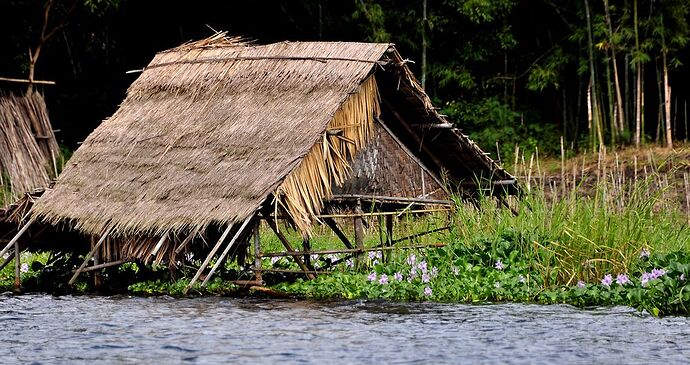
227 249
359 233
88 256
18 235
208 259
17 267
102 266
9 259
334 226
186 240
257 252
354 250
286 243
362 214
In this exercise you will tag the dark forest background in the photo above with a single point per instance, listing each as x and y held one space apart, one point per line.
527 73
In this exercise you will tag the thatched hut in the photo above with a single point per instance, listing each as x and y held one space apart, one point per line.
217 134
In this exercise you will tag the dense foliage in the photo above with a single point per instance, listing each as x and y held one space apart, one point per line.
508 72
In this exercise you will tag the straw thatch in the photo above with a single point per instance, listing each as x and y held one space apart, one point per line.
28 148
212 131
209 131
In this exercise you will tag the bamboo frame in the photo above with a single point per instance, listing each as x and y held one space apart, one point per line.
88 256
18 235
353 250
375 214
227 249
208 259
286 243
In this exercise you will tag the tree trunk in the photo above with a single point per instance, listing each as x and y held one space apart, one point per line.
619 96
596 121
638 82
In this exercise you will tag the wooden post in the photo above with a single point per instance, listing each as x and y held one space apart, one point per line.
359 232
257 253
221 260
287 245
306 247
208 259
389 230
17 267
97 275
334 226
88 257
17 236
186 240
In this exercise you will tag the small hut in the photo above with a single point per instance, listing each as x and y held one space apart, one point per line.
218 135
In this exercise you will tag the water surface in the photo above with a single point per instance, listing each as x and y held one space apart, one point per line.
43 329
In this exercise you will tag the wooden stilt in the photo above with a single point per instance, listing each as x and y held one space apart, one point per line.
389 230
88 257
287 245
186 241
257 253
306 247
359 233
97 276
17 236
157 247
334 226
7 260
17 267
221 260
208 259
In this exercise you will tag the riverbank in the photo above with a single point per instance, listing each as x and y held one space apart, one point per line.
619 242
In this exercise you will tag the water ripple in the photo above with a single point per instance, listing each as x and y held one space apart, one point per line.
44 329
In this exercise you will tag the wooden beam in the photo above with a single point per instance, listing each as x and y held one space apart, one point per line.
88 256
102 266
27 81
287 245
334 226
375 214
18 235
208 259
227 249
416 235
186 240
354 250
391 199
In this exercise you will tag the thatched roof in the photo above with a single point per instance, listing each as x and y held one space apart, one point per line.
212 130
28 148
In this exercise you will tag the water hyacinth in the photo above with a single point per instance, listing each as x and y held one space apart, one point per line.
521 279
581 284
384 279
646 277
24 267
434 272
607 280
425 278
274 260
622 279
657 273
422 267
372 255
411 260
455 270
682 277
314 257
428 292
372 277
350 263
498 265
497 284
398 276
644 253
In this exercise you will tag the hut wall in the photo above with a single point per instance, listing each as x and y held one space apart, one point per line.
383 168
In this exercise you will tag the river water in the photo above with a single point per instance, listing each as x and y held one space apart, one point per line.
42 329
